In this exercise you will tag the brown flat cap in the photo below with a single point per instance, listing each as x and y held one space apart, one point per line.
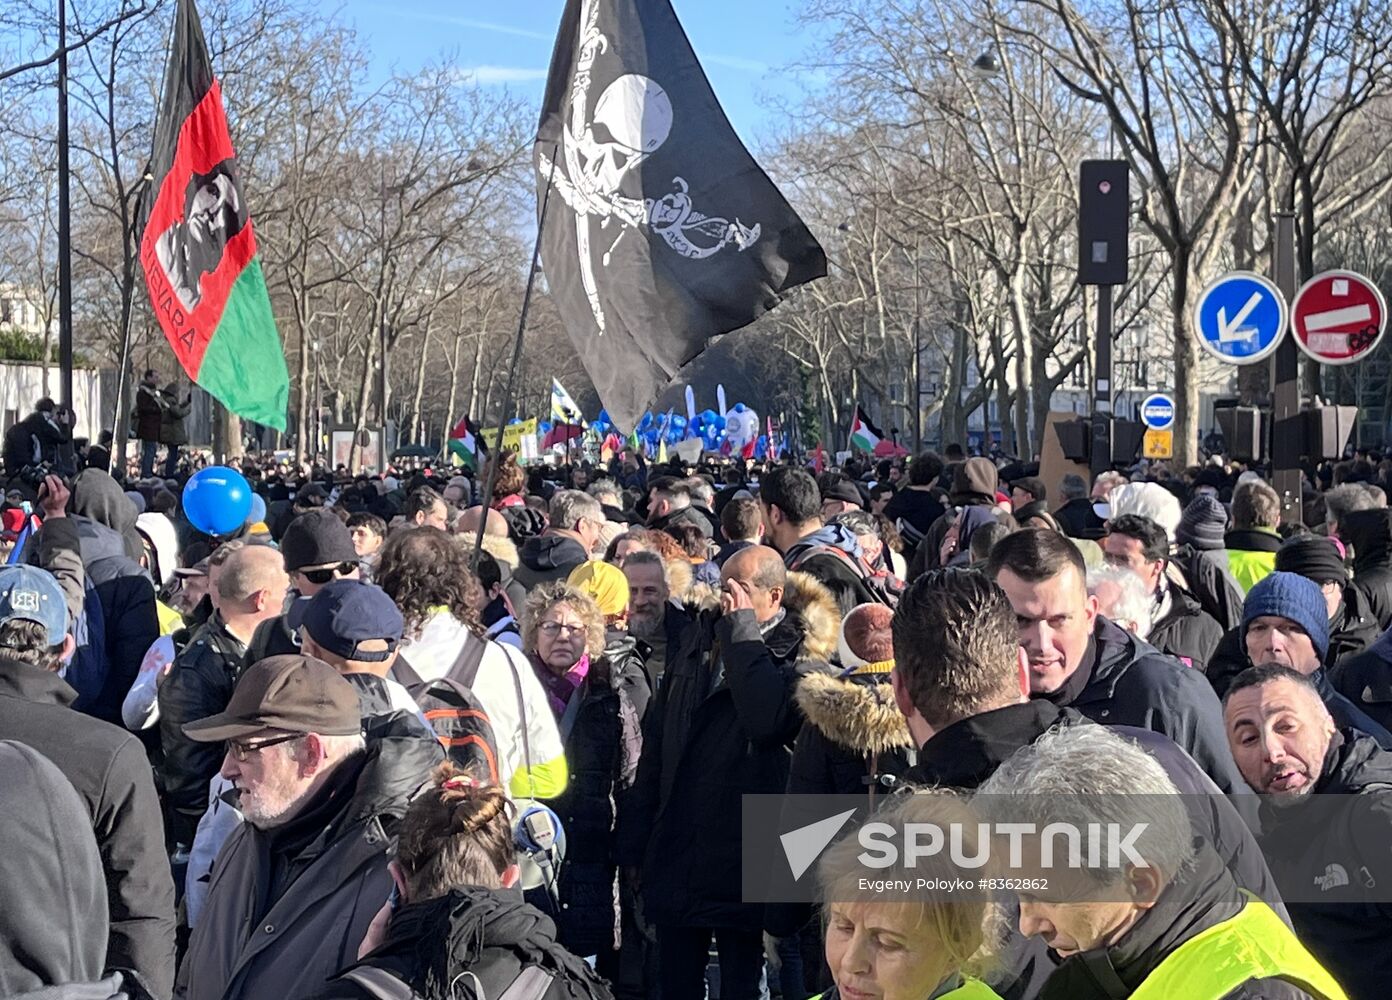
295 694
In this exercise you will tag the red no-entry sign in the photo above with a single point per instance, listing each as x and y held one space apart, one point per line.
1338 317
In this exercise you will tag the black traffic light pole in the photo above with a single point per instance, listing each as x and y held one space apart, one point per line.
1288 432
1101 451
1104 206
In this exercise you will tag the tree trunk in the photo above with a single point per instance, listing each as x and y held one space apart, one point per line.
417 419
306 447
1186 359
1023 363
364 390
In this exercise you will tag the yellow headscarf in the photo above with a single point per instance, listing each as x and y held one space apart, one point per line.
606 584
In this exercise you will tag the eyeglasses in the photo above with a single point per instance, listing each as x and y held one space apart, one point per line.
554 628
242 751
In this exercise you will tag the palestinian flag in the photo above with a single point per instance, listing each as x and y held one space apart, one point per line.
864 434
467 443
197 245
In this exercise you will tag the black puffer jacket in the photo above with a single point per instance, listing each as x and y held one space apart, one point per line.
434 946
199 685
721 727
1325 849
1130 683
1187 632
602 746
1370 534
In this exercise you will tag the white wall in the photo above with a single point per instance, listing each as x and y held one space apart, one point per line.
21 386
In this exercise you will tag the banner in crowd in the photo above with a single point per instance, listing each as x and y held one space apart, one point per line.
661 231
198 247
514 433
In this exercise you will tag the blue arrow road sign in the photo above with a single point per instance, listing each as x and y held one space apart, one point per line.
1240 317
1157 411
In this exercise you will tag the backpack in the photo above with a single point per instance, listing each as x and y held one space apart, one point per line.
880 586
454 712
532 984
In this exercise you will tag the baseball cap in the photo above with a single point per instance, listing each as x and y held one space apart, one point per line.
354 620
30 594
317 538
296 694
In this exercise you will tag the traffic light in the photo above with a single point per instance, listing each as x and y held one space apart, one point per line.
1104 211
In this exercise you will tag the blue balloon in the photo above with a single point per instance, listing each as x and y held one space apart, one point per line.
217 500
646 423
545 426
739 407
258 509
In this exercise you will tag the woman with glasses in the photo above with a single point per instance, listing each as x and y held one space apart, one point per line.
563 634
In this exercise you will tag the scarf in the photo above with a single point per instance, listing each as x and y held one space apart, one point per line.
560 688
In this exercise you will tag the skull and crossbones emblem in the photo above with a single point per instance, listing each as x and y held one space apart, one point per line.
633 118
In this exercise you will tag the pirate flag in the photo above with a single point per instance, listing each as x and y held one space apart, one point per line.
660 231
197 246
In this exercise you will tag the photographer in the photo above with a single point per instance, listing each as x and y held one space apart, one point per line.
39 438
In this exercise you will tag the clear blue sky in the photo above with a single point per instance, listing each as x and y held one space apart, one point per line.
745 46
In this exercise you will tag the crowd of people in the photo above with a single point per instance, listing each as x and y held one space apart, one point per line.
397 738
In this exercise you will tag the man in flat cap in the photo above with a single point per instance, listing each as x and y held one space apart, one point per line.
297 884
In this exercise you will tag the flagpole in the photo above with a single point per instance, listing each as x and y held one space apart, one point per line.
492 477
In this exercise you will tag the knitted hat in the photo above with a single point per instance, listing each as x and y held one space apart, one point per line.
1286 595
1314 558
1203 523
865 637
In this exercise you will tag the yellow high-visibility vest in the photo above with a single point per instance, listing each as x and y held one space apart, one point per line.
1254 944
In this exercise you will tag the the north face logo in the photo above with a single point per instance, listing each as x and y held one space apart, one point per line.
1333 877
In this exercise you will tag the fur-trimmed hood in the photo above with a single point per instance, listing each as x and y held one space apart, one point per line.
854 710
503 549
689 592
812 602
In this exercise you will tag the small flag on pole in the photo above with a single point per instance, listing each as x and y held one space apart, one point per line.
466 443
197 245
864 434
665 232
563 408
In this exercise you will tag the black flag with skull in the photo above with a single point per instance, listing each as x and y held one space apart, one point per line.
661 232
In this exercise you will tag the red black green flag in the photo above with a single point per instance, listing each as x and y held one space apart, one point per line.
198 248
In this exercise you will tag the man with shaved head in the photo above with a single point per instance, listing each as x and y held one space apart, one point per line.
720 728
1326 819
251 586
